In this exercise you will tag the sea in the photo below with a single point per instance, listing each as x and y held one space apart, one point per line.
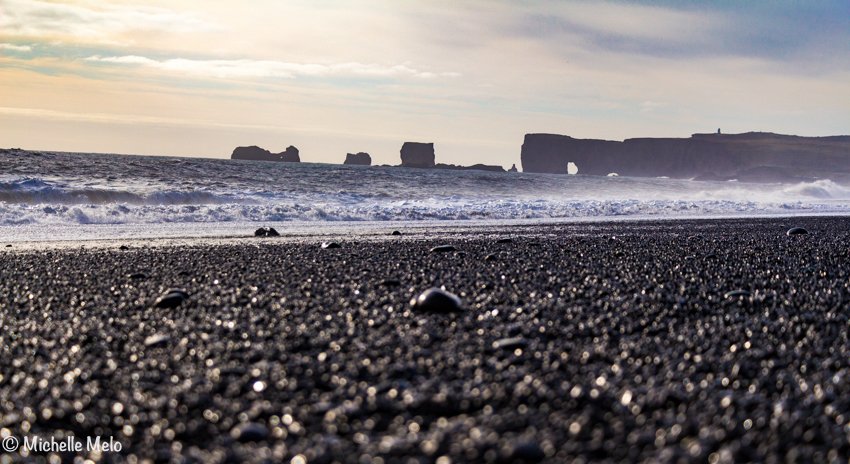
72 196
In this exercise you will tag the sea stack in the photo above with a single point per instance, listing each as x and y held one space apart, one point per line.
361 159
417 155
256 153
513 168
290 155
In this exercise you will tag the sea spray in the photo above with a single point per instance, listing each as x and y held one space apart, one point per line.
91 189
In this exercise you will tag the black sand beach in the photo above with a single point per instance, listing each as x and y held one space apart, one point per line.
679 341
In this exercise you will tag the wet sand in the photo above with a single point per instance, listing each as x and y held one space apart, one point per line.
676 341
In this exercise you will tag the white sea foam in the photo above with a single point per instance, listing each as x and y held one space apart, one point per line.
66 189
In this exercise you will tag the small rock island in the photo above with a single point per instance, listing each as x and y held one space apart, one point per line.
421 155
256 153
361 159
413 155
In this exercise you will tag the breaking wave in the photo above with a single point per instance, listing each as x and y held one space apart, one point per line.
57 188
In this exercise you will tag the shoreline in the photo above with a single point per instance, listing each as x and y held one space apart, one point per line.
718 340
20 236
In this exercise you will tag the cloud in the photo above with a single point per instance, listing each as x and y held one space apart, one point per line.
246 68
15 48
635 22
649 106
182 122
813 32
100 22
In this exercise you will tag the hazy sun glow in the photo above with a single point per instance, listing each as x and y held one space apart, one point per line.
197 78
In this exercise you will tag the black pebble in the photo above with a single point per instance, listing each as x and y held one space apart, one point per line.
505 240
390 283
490 257
266 232
123 247
527 452
9 246
737 294
157 340
509 343
437 301
250 431
797 231
443 249
137 275
171 299
395 232
329 245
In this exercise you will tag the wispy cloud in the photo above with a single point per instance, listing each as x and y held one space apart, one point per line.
776 31
15 48
632 21
162 121
245 68
94 21
120 118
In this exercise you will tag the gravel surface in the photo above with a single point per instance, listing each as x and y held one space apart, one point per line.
680 341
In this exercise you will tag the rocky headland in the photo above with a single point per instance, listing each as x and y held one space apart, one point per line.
753 156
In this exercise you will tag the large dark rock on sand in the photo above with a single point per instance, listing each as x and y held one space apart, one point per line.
266 232
417 155
435 300
171 299
753 156
255 153
360 159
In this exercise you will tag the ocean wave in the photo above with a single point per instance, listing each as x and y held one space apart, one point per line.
19 214
111 189
823 189
33 191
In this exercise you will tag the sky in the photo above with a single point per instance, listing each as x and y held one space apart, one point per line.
200 77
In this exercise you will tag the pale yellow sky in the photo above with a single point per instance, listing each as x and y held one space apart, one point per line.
197 78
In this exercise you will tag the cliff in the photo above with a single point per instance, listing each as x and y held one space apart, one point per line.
362 159
256 153
417 155
753 156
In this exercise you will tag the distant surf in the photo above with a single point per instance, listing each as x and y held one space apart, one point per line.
67 189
